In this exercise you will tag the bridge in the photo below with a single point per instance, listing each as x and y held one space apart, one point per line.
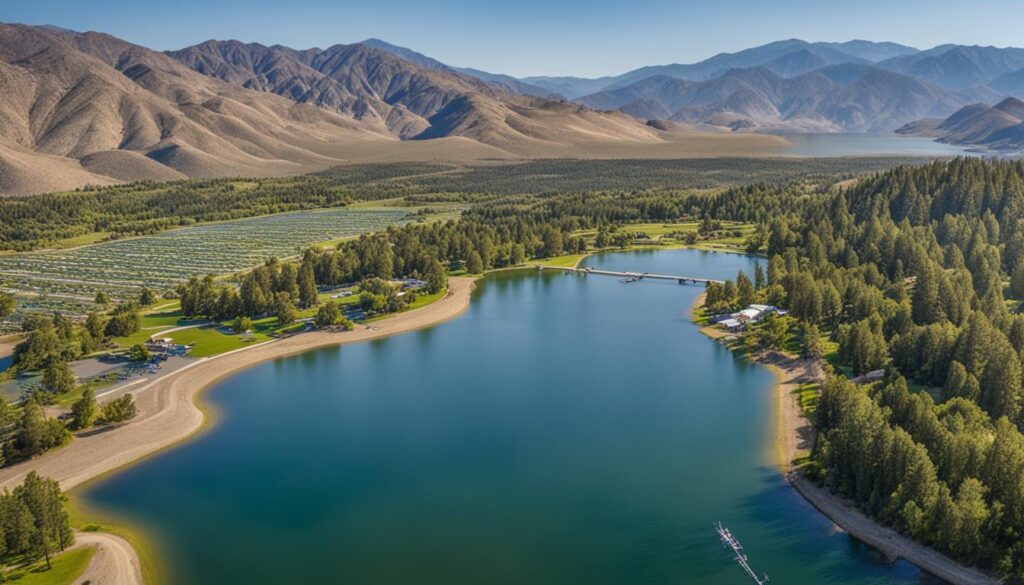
634 276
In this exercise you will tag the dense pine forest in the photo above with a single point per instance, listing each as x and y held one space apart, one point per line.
919 270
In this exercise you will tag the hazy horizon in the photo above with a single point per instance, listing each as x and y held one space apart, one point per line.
531 38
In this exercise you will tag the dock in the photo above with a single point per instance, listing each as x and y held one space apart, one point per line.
628 277
731 542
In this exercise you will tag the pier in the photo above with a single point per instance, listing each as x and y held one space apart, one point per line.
731 542
627 277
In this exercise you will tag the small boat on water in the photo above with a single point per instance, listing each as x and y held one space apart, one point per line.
731 542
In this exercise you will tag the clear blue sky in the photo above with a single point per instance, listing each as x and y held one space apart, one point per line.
537 37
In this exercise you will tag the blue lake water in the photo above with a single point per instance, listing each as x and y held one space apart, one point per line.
565 429
852 144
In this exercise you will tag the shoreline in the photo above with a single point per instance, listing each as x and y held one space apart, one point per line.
170 409
794 435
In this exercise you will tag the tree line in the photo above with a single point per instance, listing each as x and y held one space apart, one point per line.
912 271
34 521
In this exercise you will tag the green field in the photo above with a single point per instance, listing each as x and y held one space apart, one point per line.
217 338
66 568
67 281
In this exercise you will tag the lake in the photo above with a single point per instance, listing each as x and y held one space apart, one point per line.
566 429
854 144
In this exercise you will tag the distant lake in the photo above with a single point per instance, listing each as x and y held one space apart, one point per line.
851 144
565 430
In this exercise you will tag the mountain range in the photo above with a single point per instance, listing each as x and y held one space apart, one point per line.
88 108
998 127
798 86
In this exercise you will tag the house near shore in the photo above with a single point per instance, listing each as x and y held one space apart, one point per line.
731 325
738 321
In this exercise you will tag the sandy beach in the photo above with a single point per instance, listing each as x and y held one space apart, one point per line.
795 437
167 408
115 561
168 413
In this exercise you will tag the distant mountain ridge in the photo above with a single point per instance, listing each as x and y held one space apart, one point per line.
797 86
846 97
504 82
998 127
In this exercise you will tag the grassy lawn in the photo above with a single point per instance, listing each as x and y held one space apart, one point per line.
701 316
208 341
807 397
163 316
558 261
424 300
654 230
82 240
831 355
421 301
66 568
216 339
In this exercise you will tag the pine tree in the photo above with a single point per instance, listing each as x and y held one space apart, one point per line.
85 410
58 377
308 296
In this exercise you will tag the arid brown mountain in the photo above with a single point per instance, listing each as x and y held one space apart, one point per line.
999 127
81 108
848 97
502 82
88 108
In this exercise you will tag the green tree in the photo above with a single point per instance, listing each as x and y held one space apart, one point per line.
85 410
760 280
147 297
242 324
45 501
101 298
284 310
7 305
435 277
553 243
328 315
474 265
41 347
744 290
308 296
124 321
96 324
773 333
811 344
1000 383
373 302
17 523
119 410
58 377
960 382
34 433
139 353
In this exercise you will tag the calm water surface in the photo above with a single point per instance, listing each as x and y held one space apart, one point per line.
851 144
565 430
